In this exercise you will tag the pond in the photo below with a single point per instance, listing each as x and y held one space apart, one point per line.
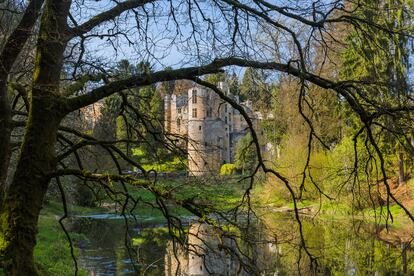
269 247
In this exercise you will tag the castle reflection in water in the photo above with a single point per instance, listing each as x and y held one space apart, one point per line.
210 251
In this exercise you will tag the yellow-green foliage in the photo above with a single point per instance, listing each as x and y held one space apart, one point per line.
171 166
328 170
228 169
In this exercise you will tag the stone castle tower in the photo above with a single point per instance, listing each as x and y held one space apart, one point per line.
210 125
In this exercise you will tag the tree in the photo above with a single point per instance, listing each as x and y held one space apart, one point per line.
383 61
245 155
69 73
216 78
254 87
234 86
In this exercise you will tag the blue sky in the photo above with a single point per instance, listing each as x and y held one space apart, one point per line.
166 47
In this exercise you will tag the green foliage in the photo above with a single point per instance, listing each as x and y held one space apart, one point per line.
254 87
381 58
246 156
141 120
228 169
232 80
175 165
216 78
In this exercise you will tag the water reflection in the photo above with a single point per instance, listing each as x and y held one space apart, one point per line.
109 247
269 247
212 251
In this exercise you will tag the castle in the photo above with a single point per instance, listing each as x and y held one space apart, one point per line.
211 126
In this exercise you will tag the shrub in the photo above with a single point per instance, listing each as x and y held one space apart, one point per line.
228 169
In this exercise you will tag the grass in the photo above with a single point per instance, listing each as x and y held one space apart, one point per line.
52 252
222 193
56 208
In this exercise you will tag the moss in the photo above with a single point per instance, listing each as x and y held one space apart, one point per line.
36 70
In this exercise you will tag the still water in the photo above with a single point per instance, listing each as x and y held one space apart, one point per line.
270 247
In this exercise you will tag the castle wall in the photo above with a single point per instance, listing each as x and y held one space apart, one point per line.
167 113
207 132
197 109
174 114
211 125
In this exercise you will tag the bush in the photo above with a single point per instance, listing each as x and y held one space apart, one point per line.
228 169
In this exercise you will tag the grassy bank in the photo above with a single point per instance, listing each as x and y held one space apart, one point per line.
345 206
52 252
220 193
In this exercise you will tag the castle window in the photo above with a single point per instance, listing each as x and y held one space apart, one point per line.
194 112
194 96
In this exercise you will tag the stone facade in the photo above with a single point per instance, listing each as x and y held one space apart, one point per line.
211 126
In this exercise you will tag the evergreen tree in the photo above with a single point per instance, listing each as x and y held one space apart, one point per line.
234 85
246 157
254 87
382 61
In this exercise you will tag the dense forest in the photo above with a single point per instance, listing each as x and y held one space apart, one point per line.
82 136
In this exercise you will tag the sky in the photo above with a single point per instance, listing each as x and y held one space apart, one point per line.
165 44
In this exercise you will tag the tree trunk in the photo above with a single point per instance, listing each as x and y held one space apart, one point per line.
401 177
24 198
9 53
5 130
404 257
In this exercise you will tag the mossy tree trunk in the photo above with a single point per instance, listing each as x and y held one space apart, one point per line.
5 129
8 56
23 200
